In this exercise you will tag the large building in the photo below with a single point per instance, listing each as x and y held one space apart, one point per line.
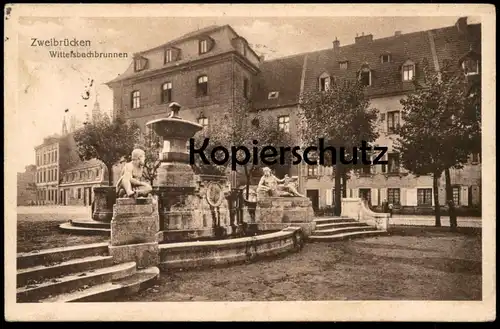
211 70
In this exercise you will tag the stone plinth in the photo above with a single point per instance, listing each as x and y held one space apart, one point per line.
274 213
134 229
104 199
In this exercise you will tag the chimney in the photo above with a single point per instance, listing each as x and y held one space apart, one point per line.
363 38
262 58
336 44
461 25
397 33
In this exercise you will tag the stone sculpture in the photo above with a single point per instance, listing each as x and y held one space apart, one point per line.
130 183
271 186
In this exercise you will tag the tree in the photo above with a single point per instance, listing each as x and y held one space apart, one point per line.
152 148
106 140
342 117
442 127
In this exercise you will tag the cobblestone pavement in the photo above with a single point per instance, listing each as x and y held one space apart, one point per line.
410 264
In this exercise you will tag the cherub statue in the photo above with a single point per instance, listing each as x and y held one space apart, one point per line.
130 184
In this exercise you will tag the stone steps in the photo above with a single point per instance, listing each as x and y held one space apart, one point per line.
346 236
108 291
74 281
86 228
78 273
333 220
41 272
347 229
341 228
57 255
337 225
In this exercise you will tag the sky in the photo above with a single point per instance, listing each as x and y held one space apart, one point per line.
48 86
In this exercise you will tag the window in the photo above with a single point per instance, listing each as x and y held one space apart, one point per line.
393 159
45 159
169 55
324 83
456 195
44 176
97 172
343 65
55 156
386 58
166 92
273 95
202 86
79 193
470 66
394 196
284 123
203 121
245 87
136 99
392 121
408 72
312 170
424 197
365 77
139 64
203 46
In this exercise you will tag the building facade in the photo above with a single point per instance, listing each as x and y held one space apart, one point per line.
26 186
77 183
48 169
212 70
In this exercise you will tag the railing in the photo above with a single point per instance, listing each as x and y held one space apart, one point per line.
358 209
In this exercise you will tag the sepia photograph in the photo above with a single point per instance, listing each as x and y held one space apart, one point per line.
250 162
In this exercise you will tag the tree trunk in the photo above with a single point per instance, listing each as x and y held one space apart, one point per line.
247 187
449 201
344 184
338 198
437 214
110 175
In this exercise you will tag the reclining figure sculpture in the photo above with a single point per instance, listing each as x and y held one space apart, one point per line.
270 185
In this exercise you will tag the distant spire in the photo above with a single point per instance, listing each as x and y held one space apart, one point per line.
64 127
96 111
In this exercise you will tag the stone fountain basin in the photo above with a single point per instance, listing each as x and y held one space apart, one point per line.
188 255
174 127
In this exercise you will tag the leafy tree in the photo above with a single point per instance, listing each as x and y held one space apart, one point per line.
106 140
342 117
442 126
152 147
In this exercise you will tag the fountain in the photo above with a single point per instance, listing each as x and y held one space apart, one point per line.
190 207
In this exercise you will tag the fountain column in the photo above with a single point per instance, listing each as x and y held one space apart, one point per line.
180 205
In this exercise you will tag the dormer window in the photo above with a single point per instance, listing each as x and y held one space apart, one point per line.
325 82
203 46
343 65
273 95
140 63
470 66
365 76
408 71
385 58
168 55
